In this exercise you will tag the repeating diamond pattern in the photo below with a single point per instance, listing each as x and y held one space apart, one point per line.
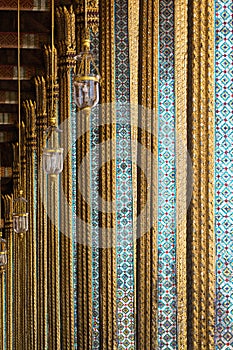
167 337
73 138
94 120
124 203
224 174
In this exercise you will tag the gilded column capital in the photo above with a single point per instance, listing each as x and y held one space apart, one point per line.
8 210
30 114
92 14
66 43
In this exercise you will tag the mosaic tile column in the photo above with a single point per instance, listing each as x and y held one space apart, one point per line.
124 277
126 324
167 234
224 173
95 132
172 173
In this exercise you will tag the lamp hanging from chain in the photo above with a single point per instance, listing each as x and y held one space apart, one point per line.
52 157
3 250
87 80
20 215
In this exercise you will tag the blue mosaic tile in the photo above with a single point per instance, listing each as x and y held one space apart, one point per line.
224 173
124 202
167 293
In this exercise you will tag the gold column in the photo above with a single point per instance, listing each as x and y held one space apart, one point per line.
31 235
54 322
18 332
83 331
8 213
3 300
83 197
83 235
108 278
2 306
133 24
41 218
201 124
147 182
66 52
181 47
53 266
22 260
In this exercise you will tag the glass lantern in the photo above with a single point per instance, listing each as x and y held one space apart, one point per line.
87 80
52 157
20 216
86 92
3 253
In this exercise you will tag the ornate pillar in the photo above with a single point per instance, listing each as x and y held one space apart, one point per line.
161 197
147 177
21 261
54 315
201 128
87 269
182 164
107 181
41 217
31 235
8 213
66 64
18 333
2 305
2 309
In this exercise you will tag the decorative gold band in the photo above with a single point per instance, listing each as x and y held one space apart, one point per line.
181 50
202 150
147 192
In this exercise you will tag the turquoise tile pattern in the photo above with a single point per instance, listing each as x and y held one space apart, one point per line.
73 160
94 127
95 230
167 291
124 191
224 172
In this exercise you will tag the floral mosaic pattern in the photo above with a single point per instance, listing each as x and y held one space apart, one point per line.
167 308
124 202
224 173
95 210
73 138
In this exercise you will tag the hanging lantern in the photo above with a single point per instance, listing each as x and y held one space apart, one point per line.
20 216
52 157
87 80
3 253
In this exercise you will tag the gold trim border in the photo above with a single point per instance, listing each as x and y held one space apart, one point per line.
147 252
108 278
202 146
181 50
